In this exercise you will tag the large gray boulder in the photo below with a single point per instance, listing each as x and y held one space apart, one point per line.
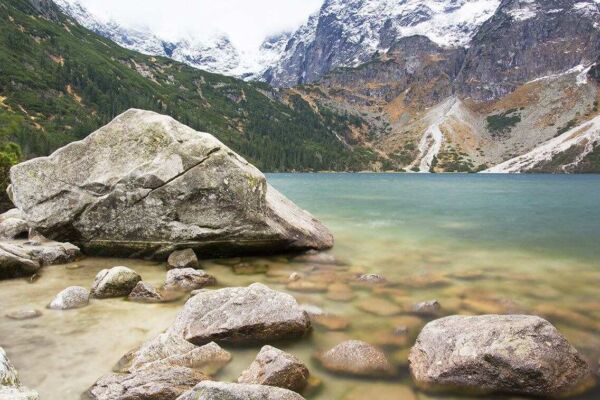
242 315
497 354
10 386
273 367
235 391
147 185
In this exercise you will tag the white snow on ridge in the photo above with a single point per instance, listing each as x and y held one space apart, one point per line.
212 52
584 135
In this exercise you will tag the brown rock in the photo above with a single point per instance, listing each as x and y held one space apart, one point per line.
273 367
355 357
183 259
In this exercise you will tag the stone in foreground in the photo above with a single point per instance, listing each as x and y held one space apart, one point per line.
183 259
254 314
236 391
157 383
152 186
144 292
10 386
188 279
115 282
273 367
355 357
71 298
497 354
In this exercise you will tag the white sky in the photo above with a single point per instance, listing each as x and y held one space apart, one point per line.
246 22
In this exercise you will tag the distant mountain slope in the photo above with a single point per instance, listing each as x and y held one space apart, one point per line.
213 53
347 33
60 81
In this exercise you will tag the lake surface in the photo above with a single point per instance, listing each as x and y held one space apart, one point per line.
477 243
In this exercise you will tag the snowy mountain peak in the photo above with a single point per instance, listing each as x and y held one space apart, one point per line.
349 32
212 52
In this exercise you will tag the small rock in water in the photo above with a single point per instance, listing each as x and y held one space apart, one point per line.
306 286
517 354
401 330
381 307
208 390
294 276
71 298
115 282
427 308
144 292
331 322
243 315
316 257
340 292
355 357
372 279
273 367
245 268
183 259
188 279
25 314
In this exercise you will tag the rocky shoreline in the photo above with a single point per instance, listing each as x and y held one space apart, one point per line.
168 193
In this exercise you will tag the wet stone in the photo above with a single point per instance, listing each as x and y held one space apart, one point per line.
355 357
24 314
331 322
380 307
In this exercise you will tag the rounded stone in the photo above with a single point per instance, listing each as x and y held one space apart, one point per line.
71 298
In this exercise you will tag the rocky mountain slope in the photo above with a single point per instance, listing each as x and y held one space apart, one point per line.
347 33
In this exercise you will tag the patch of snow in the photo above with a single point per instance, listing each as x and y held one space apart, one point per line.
213 52
581 71
584 135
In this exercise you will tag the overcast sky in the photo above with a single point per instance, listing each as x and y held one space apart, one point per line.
247 22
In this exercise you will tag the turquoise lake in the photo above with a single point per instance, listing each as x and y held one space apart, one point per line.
479 244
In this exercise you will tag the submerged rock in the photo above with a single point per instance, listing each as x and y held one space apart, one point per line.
188 279
355 357
427 308
273 367
372 279
10 386
183 259
115 282
252 314
156 383
156 188
144 292
70 298
24 314
497 354
235 391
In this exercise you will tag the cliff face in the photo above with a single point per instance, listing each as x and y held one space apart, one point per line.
347 33
525 40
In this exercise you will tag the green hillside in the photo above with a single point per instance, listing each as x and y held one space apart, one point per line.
60 81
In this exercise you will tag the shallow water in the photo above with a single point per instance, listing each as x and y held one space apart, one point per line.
478 244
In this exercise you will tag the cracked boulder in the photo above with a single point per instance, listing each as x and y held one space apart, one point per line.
146 185
517 354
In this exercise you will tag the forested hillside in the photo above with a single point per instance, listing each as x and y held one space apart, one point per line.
59 82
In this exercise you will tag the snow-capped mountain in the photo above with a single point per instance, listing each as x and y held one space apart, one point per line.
349 32
213 53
